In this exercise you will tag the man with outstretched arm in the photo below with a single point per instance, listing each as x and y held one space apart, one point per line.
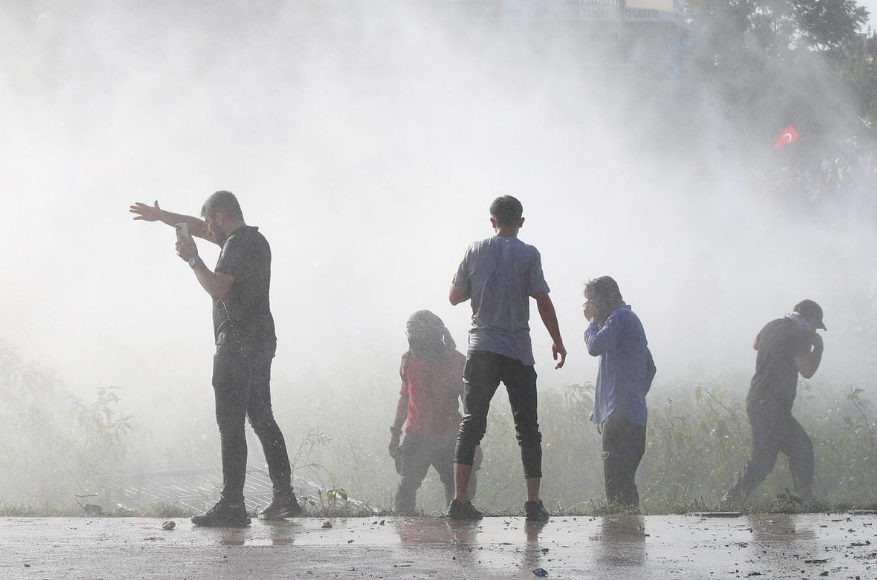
786 347
245 344
624 377
500 275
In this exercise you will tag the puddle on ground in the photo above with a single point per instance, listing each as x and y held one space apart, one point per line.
772 545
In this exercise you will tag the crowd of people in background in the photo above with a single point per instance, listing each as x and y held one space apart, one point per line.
846 179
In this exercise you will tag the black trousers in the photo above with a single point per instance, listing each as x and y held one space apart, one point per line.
481 377
242 389
774 429
624 443
417 455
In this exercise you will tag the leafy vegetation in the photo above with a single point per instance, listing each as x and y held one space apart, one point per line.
52 443
55 445
698 438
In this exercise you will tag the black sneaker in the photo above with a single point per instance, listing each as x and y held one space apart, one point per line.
284 505
458 510
224 515
535 511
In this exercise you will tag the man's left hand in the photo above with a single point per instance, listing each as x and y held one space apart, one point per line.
186 249
393 447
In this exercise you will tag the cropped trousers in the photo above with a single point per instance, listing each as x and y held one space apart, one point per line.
483 373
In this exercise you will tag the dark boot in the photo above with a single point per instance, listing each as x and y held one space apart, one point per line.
284 505
223 515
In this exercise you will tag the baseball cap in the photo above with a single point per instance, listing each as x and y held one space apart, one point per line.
809 309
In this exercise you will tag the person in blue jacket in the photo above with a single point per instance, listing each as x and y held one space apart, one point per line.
625 374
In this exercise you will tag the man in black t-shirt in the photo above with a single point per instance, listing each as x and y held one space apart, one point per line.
786 347
245 345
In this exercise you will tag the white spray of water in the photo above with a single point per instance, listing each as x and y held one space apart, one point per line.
367 141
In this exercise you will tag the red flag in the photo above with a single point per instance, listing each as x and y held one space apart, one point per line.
789 136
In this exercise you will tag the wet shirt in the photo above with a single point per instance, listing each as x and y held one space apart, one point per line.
776 374
626 369
245 310
500 275
434 388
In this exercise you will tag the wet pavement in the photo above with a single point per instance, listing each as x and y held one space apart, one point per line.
771 546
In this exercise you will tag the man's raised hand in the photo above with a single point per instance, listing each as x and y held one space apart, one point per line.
145 212
816 339
186 248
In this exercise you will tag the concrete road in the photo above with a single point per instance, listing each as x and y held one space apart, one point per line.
770 546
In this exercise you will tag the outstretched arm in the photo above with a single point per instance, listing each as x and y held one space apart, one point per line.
154 213
398 421
549 319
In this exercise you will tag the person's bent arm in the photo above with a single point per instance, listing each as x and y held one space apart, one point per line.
602 340
809 363
398 421
217 284
549 319
154 213
456 296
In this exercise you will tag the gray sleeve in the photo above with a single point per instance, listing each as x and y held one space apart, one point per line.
462 281
535 278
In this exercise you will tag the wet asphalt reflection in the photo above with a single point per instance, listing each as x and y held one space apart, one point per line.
773 546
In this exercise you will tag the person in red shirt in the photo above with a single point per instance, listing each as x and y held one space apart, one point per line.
432 385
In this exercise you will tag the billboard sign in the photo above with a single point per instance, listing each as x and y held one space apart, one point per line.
565 10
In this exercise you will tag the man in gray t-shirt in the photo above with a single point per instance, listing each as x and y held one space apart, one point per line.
500 275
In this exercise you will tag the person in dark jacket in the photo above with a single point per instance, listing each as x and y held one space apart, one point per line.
786 347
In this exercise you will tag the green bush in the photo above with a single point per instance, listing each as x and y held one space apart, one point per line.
54 445
698 438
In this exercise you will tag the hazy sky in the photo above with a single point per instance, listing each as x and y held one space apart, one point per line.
871 5
368 148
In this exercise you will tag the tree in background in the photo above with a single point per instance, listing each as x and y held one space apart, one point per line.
766 64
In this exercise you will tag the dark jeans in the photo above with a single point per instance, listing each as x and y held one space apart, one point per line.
418 454
481 377
242 388
774 429
624 443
